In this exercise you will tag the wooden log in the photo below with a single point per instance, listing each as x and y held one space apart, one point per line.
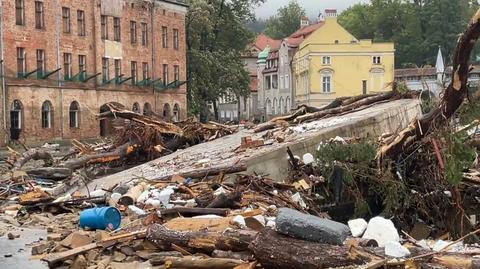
194 211
193 262
275 251
54 173
230 200
212 171
32 154
350 107
244 255
204 241
457 261
159 258
200 224
132 195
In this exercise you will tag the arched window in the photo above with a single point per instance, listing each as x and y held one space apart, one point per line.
147 109
16 115
280 106
136 107
327 80
47 115
287 105
74 112
274 106
176 113
166 112
267 106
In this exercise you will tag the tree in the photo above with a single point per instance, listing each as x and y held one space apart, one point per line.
286 21
416 27
216 39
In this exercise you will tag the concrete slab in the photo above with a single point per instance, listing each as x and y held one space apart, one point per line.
21 250
271 159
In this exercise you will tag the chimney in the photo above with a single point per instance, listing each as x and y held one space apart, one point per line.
304 22
331 13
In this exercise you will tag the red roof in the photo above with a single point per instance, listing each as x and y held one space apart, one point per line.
262 41
307 30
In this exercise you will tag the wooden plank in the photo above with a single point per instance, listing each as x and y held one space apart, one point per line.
189 224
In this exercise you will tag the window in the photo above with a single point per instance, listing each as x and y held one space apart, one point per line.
164 37
144 34
104 26
166 112
116 29
282 82
19 12
326 60
66 19
74 113
147 109
21 61
175 39
67 66
16 115
81 22
118 68
145 71
275 82
41 62
133 68
165 74
176 113
176 73
364 86
377 60
133 32
39 15
268 84
326 83
82 63
46 115
105 70
287 82
136 107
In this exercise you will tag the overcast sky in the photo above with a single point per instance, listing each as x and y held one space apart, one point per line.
313 7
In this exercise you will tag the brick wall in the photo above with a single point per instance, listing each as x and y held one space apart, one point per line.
91 95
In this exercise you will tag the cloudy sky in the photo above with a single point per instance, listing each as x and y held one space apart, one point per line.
313 7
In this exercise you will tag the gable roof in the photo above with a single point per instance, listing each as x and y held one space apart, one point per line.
307 30
263 40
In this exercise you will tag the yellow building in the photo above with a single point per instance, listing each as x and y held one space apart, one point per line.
332 63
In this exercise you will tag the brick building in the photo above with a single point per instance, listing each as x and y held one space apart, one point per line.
63 60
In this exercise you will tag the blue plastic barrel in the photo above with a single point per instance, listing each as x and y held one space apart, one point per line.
100 218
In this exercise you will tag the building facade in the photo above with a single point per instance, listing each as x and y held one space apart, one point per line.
276 80
332 63
63 60
431 81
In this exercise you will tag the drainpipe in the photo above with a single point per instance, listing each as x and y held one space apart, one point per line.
153 54
57 36
4 88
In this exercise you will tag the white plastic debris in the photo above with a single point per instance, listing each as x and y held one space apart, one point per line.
440 245
98 193
219 191
357 227
164 195
270 224
308 158
381 230
137 211
66 197
448 193
144 196
339 139
240 221
396 250
207 217
298 199
153 203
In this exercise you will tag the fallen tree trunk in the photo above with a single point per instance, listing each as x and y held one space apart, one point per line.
194 211
191 262
32 154
349 107
54 173
213 171
204 241
275 251
451 101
